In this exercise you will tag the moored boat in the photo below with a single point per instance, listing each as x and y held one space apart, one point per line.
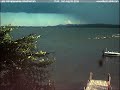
110 53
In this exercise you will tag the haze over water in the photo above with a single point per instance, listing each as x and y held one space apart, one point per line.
76 55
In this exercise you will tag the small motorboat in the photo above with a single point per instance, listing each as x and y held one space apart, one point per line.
109 53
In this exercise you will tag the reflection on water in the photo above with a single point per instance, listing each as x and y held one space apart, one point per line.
111 65
106 59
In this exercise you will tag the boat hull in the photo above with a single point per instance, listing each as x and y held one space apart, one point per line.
111 54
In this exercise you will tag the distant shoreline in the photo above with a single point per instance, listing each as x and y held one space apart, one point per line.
80 25
91 25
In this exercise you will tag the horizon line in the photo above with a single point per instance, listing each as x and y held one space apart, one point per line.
64 25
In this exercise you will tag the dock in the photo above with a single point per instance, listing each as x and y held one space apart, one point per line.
98 84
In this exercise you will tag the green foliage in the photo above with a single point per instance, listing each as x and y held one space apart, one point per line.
21 54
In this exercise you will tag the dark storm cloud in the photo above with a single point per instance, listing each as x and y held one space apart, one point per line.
90 12
58 7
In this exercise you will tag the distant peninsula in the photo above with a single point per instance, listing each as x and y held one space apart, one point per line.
90 25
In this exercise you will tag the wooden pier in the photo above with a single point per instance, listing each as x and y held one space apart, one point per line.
98 84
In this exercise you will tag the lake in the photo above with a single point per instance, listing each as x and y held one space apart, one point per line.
78 52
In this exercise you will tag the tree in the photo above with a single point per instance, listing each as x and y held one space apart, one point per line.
21 55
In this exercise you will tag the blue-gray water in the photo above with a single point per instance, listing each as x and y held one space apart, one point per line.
76 55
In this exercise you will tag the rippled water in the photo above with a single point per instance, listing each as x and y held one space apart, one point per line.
77 55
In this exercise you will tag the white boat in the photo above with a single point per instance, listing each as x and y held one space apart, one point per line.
109 53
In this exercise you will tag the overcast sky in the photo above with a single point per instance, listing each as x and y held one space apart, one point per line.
45 14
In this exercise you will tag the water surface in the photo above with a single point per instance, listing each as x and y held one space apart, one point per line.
76 55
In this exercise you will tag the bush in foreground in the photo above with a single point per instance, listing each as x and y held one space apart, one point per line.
21 55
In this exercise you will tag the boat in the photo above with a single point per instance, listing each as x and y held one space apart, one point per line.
110 53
